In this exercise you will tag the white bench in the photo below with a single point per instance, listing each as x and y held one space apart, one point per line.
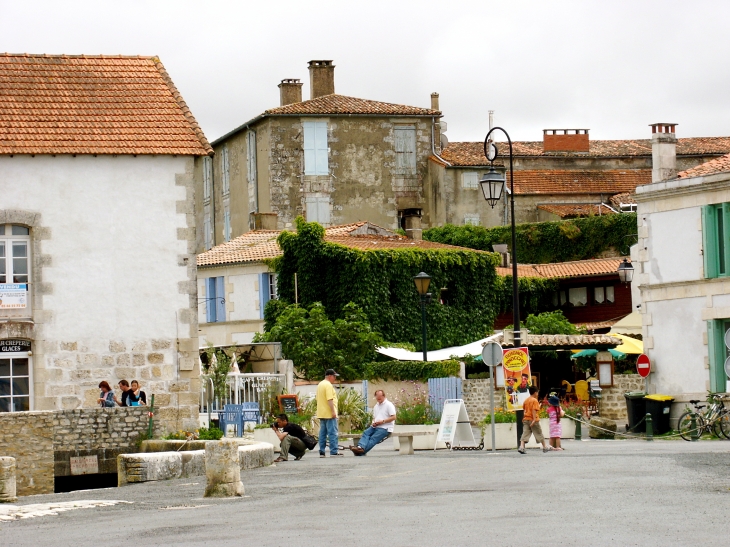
405 440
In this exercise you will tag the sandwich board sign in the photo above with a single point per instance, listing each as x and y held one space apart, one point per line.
455 426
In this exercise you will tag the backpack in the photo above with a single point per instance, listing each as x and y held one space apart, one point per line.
309 441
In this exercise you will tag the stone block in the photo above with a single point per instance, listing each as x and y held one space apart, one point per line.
117 346
138 359
107 361
68 403
124 372
604 424
222 469
91 359
8 492
161 344
140 346
156 358
255 455
148 467
123 360
69 346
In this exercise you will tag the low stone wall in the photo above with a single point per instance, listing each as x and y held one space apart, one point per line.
476 399
613 403
44 442
158 466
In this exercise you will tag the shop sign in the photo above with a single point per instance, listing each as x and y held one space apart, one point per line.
13 296
14 346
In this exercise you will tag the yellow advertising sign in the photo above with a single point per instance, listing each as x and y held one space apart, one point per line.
515 359
517 377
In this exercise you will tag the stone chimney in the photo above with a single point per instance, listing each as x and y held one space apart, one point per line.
321 78
290 91
565 140
264 221
663 151
435 101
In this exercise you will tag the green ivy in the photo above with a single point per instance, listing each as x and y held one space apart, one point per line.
544 242
411 370
380 282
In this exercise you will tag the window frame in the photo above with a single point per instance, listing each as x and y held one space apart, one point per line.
405 159
19 355
316 148
716 245
468 185
9 241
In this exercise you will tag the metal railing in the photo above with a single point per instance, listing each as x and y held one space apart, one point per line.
240 388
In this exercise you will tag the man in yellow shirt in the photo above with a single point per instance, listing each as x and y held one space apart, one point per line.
327 414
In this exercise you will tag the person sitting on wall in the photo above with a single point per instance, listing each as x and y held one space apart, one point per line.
135 397
126 391
291 437
382 426
106 397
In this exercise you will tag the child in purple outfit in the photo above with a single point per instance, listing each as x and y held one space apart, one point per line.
556 428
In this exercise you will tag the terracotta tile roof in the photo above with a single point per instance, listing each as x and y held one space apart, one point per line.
341 104
599 324
472 153
259 245
625 198
59 104
556 270
712 167
572 210
564 340
565 181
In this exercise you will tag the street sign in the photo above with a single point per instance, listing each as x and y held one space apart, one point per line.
492 354
727 338
727 367
643 366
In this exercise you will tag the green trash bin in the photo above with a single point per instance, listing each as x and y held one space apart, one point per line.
636 410
659 406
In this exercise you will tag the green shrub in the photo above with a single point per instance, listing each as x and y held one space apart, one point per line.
211 433
410 370
412 406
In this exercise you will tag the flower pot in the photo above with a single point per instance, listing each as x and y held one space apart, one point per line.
267 436
421 442
505 436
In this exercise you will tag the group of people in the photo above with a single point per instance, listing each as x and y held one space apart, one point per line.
294 439
531 422
132 395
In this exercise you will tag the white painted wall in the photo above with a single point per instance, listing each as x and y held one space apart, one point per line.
679 352
675 252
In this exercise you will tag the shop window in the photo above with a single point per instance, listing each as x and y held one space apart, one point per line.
14 384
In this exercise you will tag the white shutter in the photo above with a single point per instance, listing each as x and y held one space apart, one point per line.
207 175
321 148
251 158
226 171
310 157
323 211
470 179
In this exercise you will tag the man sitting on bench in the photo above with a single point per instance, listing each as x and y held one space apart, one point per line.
382 426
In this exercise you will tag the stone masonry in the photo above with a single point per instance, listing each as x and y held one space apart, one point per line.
476 399
43 442
613 403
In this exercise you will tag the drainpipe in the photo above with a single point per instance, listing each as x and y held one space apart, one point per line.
433 141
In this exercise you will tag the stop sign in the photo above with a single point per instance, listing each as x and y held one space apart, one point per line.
643 366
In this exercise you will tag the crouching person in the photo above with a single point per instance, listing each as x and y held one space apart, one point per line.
291 437
382 426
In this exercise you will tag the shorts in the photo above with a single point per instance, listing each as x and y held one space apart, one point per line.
529 430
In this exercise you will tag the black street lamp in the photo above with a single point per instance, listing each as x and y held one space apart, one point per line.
625 271
492 184
422 281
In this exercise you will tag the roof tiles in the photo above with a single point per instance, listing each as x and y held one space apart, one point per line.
59 104
576 268
572 210
712 167
341 104
568 181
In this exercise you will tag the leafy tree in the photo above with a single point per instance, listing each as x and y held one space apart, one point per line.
549 322
315 343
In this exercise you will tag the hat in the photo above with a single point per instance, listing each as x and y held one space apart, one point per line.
330 372
553 400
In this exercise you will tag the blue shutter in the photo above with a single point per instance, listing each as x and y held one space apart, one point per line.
210 299
263 292
322 153
220 303
310 157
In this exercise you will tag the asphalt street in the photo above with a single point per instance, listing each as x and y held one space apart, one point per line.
617 493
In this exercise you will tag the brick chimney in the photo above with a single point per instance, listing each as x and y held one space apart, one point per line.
663 151
321 78
565 140
290 91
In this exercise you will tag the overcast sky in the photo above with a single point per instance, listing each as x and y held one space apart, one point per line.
612 67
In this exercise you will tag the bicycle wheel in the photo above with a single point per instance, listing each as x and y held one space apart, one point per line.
722 425
684 425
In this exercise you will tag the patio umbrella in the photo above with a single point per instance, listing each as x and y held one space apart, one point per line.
590 352
629 345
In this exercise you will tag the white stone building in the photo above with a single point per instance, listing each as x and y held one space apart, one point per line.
683 271
97 233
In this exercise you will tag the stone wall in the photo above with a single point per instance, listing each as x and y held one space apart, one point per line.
43 442
613 403
476 399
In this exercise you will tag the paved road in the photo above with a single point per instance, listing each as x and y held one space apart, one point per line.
615 493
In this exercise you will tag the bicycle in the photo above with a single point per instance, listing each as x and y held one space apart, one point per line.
715 419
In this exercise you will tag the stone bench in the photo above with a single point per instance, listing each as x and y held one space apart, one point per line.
405 438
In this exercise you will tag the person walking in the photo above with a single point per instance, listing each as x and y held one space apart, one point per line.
382 426
556 428
327 414
531 422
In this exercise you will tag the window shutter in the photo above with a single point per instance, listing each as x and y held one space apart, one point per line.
716 350
210 299
405 150
322 153
323 211
220 295
263 292
207 174
709 241
310 161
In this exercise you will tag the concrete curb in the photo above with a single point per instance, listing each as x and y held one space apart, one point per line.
159 466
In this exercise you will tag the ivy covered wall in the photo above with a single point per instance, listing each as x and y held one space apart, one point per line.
380 282
544 242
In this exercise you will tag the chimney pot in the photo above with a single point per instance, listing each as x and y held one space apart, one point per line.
435 101
290 91
321 78
565 140
663 151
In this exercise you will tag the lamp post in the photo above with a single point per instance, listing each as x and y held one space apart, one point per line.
492 184
625 271
422 281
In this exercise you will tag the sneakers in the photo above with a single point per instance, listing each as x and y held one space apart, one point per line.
321 455
338 454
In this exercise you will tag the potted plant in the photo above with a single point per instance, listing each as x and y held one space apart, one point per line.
505 429
413 413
